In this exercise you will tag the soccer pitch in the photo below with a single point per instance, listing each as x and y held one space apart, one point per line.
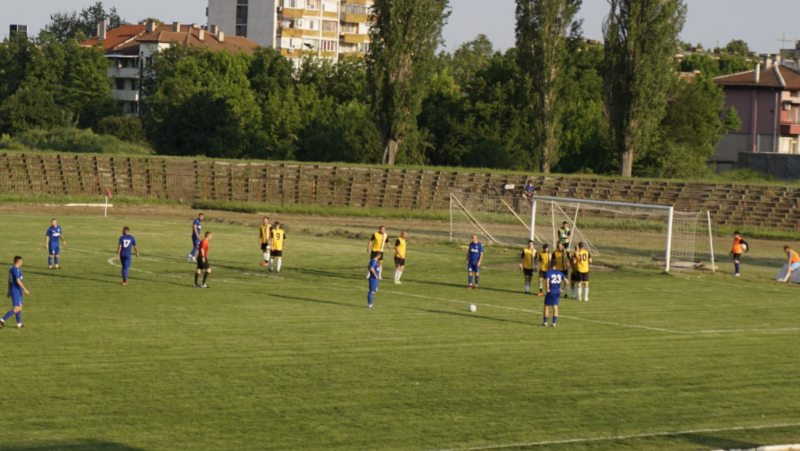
294 361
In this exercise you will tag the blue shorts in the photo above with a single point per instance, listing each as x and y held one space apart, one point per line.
373 284
552 298
795 266
54 250
16 298
473 267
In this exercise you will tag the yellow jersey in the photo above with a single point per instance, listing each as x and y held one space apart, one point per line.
582 258
278 239
264 232
528 257
544 258
378 241
400 248
562 260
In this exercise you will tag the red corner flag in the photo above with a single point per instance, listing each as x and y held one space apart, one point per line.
108 194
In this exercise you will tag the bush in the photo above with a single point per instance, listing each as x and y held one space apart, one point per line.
128 129
72 140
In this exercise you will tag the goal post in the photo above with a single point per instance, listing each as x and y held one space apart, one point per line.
616 233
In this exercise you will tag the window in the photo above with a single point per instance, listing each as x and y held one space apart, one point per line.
120 84
330 7
312 4
312 24
134 85
241 15
292 3
794 94
350 28
329 25
241 30
351 8
328 46
310 44
348 48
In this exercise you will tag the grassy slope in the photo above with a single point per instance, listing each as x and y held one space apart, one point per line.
297 362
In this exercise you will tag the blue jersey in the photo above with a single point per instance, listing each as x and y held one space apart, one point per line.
127 242
375 266
13 274
55 234
475 251
197 222
555 277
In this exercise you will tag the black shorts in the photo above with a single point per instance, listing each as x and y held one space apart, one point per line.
737 256
399 261
378 254
574 277
582 276
527 272
264 247
563 273
542 274
202 263
277 254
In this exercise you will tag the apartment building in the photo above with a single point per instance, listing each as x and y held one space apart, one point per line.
327 29
131 47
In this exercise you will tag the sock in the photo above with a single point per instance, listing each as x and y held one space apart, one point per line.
380 272
580 290
470 279
737 267
586 293
555 318
545 320
280 260
540 286
266 257
8 315
370 297
573 292
49 261
19 317
56 260
124 274
205 276
396 275
477 280
527 288
271 261
195 278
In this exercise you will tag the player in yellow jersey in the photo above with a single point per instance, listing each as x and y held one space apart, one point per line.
400 256
264 232
277 242
544 266
375 247
581 261
561 257
527 264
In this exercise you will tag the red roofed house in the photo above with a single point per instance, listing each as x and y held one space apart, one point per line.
131 47
768 102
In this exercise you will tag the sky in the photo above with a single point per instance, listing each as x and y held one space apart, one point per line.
710 22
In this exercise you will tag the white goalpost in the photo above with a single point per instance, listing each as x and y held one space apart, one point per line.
616 233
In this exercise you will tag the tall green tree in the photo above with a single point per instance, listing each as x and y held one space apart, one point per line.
83 24
641 37
542 28
401 62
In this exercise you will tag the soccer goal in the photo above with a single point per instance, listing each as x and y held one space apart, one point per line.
619 234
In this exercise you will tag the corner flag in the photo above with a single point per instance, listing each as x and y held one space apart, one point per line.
108 194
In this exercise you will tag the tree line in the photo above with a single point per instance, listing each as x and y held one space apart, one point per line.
554 102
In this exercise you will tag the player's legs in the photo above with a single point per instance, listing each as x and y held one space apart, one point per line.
736 258
373 287
477 277
16 310
278 263
469 275
555 315
126 265
195 248
52 256
527 284
545 314
196 275
205 277
541 282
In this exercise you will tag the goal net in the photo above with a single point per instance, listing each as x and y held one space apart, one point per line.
618 234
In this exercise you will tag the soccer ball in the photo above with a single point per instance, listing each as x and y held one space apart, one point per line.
744 247
472 308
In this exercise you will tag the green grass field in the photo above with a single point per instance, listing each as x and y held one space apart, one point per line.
294 361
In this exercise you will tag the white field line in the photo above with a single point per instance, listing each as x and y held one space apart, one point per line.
609 323
633 436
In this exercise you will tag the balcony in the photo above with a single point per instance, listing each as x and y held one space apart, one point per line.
355 18
352 38
129 96
790 128
123 72
292 13
291 32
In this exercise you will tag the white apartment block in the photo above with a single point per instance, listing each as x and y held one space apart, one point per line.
327 29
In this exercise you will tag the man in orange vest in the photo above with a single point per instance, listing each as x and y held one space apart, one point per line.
793 264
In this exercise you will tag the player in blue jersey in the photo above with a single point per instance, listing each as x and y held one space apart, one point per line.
374 279
126 243
474 259
15 290
197 225
553 278
52 240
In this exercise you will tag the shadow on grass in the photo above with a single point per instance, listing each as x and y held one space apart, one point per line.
319 301
470 316
88 445
710 442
